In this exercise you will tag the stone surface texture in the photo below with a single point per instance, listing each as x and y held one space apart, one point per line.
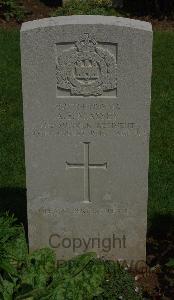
86 100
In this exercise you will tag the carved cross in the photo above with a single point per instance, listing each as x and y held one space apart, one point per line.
86 166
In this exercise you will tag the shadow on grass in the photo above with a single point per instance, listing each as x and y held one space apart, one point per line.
160 241
14 200
161 225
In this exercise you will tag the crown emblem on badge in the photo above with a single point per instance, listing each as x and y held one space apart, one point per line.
86 43
86 69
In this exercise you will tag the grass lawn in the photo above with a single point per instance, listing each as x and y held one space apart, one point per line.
161 171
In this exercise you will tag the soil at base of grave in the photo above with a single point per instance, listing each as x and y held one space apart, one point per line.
155 278
36 9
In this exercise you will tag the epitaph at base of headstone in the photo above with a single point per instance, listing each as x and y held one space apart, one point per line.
86 98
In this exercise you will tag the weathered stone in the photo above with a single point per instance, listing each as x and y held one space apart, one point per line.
86 91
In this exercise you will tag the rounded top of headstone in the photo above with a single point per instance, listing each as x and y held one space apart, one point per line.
86 19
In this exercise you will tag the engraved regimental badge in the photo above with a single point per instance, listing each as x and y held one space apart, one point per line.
86 69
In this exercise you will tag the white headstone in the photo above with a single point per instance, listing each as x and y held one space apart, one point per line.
86 94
